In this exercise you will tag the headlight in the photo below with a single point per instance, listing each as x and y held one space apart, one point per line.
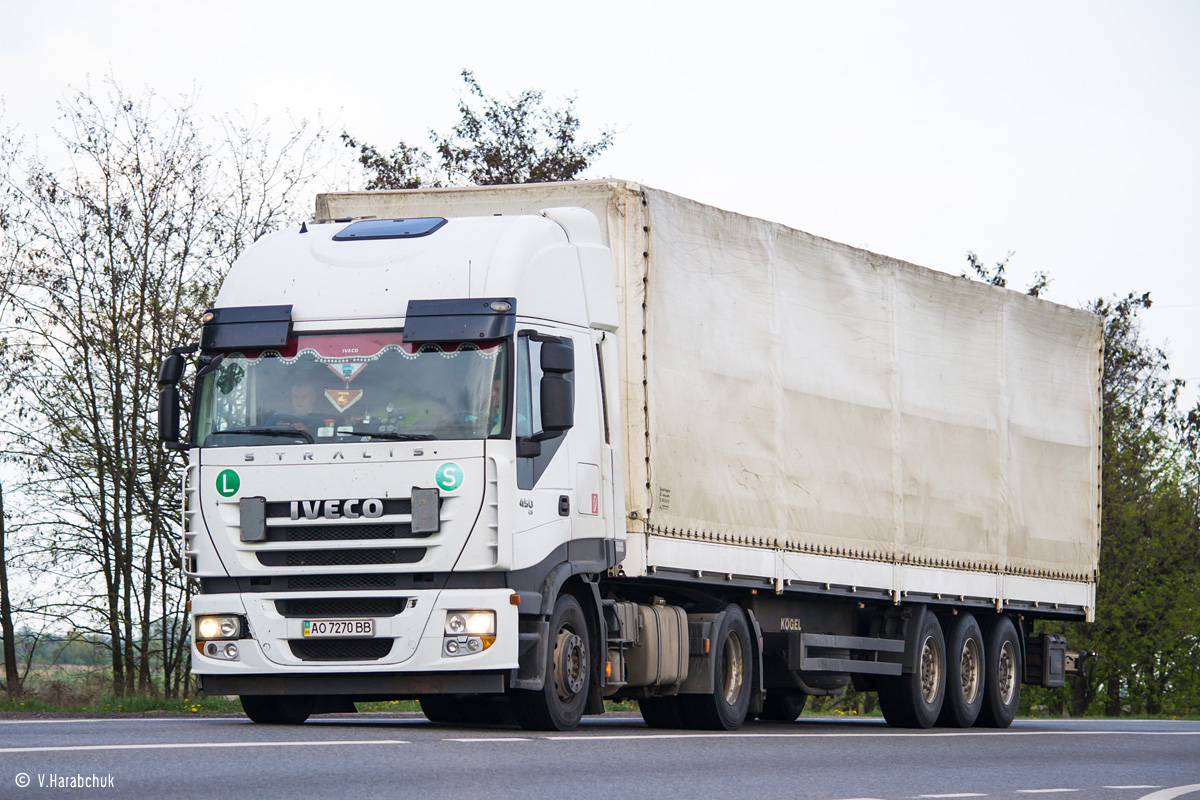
472 623
218 627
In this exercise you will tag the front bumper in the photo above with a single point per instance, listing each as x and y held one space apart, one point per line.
416 635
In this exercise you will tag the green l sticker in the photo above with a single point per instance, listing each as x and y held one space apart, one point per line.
228 483
449 476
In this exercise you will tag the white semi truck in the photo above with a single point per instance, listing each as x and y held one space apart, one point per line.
535 447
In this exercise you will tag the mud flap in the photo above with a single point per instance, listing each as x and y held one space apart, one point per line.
531 654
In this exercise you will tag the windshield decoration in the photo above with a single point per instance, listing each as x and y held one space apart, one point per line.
374 385
348 370
342 399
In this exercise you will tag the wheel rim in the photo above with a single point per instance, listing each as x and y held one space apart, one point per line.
970 663
931 670
733 672
570 664
1006 672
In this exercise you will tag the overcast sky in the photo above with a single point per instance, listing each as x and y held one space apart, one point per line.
1066 132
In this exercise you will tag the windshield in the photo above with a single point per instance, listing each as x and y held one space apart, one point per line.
352 387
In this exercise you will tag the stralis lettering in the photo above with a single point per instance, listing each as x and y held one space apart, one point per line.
337 509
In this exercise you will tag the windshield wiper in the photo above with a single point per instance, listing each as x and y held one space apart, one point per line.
397 437
289 432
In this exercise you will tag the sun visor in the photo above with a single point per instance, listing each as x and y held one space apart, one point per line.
462 320
245 327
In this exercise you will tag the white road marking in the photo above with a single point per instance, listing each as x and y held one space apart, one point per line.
960 794
493 739
744 735
186 745
118 719
1136 786
1169 794
1045 791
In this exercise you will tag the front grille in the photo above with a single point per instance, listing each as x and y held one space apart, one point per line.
344 582
325 533
340 558
342 607
340 649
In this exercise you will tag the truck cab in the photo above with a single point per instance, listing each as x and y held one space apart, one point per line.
399 444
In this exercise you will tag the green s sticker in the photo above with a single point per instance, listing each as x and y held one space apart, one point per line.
449 476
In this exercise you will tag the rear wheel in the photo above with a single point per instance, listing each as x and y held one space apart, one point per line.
559 704
661 712
725 709
914 700
457 709
782 707
278 709
964 673
1002 678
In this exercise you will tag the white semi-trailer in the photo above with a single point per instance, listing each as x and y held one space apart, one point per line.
537 446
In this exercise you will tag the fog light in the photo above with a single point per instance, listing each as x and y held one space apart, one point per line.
231 650
451 647
474 645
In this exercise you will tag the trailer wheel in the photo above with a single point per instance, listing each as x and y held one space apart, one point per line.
661 712
725 709
1002 678
278 709
559 704
782 707
915 700
965 671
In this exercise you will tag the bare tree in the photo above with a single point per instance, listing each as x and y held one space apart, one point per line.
114 255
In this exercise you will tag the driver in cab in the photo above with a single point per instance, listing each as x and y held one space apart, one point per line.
304 416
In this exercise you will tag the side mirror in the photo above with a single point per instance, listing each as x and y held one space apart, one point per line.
172 370
558 403
558 357
168 396
168 413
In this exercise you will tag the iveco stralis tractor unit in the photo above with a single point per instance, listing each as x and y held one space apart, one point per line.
518 450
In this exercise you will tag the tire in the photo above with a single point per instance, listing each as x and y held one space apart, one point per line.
278 709
965 672
661 712
1002 678
915 700
725 709
443 709
782 707
560 703
446 709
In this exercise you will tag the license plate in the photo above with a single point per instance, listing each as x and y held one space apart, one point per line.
317 628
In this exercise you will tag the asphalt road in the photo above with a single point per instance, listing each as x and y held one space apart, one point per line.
385 756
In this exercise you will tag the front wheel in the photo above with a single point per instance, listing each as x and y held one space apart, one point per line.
278 709
725 709
560 703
